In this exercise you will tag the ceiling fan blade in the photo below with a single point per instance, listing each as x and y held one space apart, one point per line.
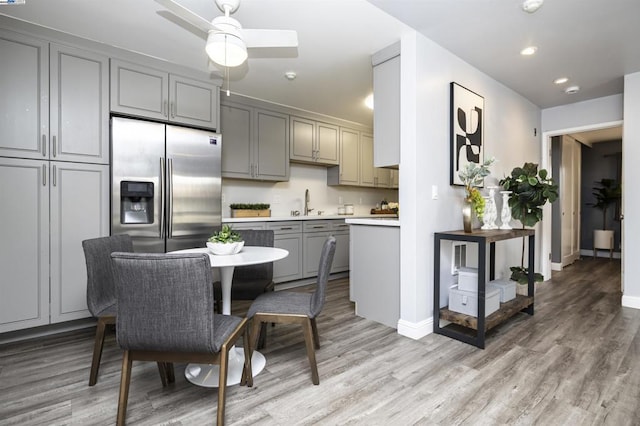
187 15
270 38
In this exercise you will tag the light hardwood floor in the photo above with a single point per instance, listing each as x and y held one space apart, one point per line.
576 362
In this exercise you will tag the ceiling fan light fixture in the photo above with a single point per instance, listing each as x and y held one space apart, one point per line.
531 6
226 49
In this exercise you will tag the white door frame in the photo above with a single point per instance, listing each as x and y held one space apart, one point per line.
545 243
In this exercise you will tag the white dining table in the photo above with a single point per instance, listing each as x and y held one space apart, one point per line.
205 374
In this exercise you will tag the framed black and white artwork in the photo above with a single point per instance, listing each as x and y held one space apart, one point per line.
467 112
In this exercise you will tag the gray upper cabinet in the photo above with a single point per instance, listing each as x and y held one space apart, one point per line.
255 143
367 171
148 92
348 172
386 116
79 112
55 101
314 142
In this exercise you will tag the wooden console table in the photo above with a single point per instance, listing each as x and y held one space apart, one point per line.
481 324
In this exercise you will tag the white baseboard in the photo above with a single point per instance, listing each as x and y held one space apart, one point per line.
46 330
631 302
415 330
556 266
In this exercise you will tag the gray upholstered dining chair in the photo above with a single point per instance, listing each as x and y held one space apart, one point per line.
250 281
101 293
166 314
290 307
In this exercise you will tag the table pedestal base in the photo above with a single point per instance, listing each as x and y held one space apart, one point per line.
208 375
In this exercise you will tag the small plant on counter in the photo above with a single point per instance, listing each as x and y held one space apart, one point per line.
249 206
225 235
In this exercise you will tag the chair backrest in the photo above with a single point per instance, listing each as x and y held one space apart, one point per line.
324 269
97 253
261 272
165 302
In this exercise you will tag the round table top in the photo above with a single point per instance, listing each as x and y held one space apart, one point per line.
249 255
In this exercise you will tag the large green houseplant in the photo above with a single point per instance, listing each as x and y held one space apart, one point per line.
530 191
606 193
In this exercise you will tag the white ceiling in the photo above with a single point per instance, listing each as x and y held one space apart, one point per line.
593 42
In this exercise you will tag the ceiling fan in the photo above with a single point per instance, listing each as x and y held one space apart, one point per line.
227 41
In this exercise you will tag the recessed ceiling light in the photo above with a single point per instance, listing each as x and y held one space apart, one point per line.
571 90
368 101
290 75
561 80
528 51
531 6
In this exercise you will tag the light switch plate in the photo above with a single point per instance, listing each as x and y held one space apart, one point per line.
434 192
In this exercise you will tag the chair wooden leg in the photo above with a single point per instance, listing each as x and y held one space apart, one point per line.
247 373
262 343
222 384
171 376
311 352
316 336
256 326
97 351
125 379
162 369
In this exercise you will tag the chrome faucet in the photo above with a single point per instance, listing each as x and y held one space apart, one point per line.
307 210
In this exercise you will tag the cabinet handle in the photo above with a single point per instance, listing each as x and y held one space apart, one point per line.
44 175
44 145
286 228
53 176
53 148
173 109
164 109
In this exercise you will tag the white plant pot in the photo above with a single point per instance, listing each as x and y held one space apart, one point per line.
225 248
603 239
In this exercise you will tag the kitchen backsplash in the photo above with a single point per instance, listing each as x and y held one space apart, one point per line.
287 196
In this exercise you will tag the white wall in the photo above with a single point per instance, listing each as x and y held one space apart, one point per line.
286 196
631 202
510 120
579 114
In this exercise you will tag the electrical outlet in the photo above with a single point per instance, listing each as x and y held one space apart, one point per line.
276 199
222 198
434 192
360 200
340 200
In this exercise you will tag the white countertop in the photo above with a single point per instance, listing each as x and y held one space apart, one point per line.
375 221
309 217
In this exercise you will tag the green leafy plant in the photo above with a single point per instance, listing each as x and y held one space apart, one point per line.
607 192
225 235
249 206
530 191
472 176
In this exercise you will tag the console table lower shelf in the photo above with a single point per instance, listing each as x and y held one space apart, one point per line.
507 310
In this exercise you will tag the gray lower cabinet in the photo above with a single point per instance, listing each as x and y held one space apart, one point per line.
48 208
147 92
288 236
55 101
255 143
315 234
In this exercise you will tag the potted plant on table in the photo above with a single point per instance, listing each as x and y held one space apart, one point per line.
530 191
606 193
226 241
472 176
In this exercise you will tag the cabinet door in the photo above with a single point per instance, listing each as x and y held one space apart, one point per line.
24 237
193 102
312 251
24 91
386 116
139 90
395 178
289 268
327 144
79 210
341 256
382 177
271 146
237 132
302 140
367 175
79 105
349 157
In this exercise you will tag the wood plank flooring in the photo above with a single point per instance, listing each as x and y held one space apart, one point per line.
576 362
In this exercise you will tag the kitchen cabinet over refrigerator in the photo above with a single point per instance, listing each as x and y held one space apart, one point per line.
166 184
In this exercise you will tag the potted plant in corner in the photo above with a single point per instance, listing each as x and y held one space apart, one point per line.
531 189
606 193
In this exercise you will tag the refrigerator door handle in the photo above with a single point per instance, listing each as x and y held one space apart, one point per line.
162 198
170 197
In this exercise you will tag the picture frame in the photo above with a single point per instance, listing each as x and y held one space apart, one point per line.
467 129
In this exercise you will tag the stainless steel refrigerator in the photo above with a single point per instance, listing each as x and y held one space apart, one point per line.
165 184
